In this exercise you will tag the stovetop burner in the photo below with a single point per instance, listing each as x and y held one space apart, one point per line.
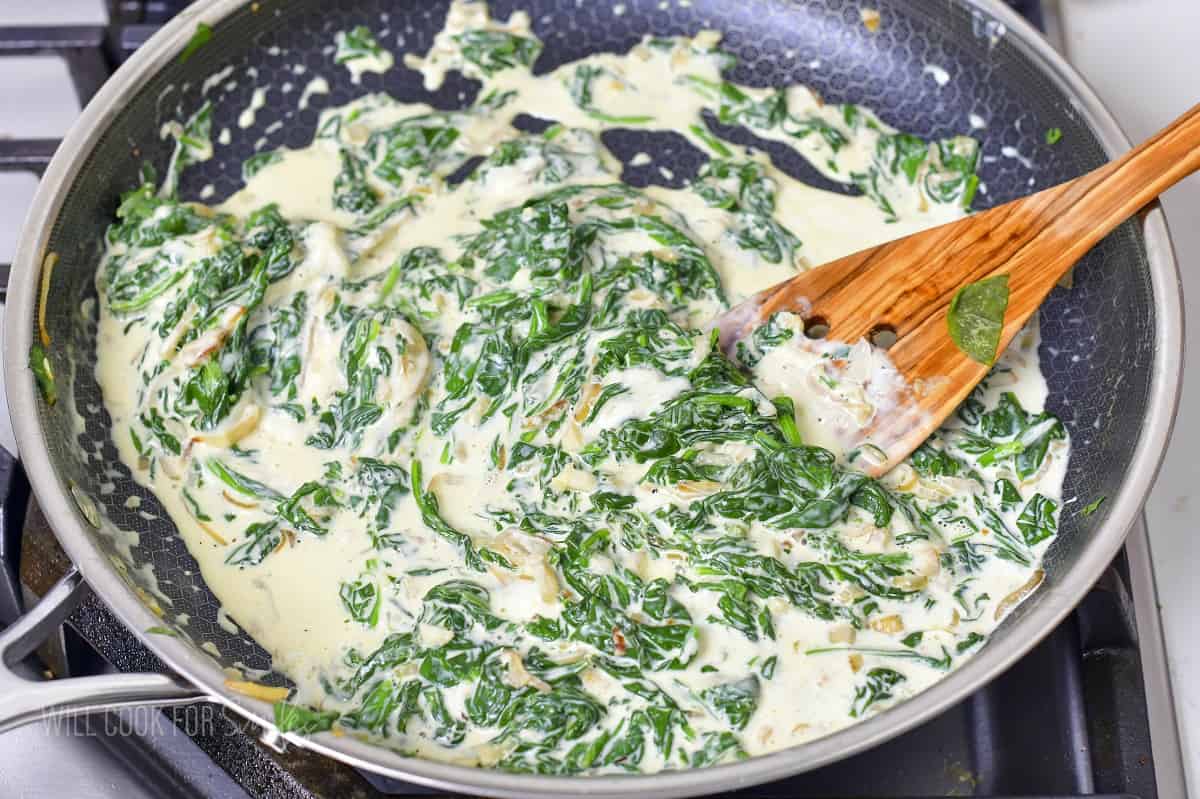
1075 717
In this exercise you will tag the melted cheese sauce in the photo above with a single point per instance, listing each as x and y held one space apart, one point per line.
340 571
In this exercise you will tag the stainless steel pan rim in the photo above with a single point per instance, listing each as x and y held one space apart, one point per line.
190 663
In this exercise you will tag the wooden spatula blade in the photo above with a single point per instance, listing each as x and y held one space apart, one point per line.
906 286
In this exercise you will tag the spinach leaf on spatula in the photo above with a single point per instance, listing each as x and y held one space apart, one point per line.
976 317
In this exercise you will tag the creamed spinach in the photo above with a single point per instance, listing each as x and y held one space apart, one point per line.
434 404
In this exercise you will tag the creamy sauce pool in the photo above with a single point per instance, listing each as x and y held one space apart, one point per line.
464 460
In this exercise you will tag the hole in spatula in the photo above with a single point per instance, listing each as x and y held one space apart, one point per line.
882 336
816 327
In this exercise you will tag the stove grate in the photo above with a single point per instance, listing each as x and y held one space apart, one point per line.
1069 720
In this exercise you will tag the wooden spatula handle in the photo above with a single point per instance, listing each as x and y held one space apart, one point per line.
906 286
1106 197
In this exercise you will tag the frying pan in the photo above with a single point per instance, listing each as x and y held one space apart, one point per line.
1111 348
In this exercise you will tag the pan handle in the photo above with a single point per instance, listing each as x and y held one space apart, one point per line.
23 701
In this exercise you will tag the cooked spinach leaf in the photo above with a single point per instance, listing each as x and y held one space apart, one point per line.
493 51
976 317
355 43
878 687
299 719
39 364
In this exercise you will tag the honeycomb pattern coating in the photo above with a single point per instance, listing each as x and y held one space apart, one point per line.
1098 336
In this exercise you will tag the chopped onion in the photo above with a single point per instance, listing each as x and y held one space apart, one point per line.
842 634
1014 599
213 534
244 426
254 690
48 264
887 624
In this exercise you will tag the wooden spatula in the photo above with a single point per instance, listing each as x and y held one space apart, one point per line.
906 287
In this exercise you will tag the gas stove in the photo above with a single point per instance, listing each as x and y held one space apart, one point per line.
1087 713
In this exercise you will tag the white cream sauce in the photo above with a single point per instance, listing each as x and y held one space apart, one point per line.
940 76
360 62
257 100
317 85
290 602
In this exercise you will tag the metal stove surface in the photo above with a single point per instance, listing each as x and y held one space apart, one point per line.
1087 713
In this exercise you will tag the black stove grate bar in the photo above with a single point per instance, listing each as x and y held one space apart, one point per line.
32 155
152 12
81 47
14 497
23 155
84 50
